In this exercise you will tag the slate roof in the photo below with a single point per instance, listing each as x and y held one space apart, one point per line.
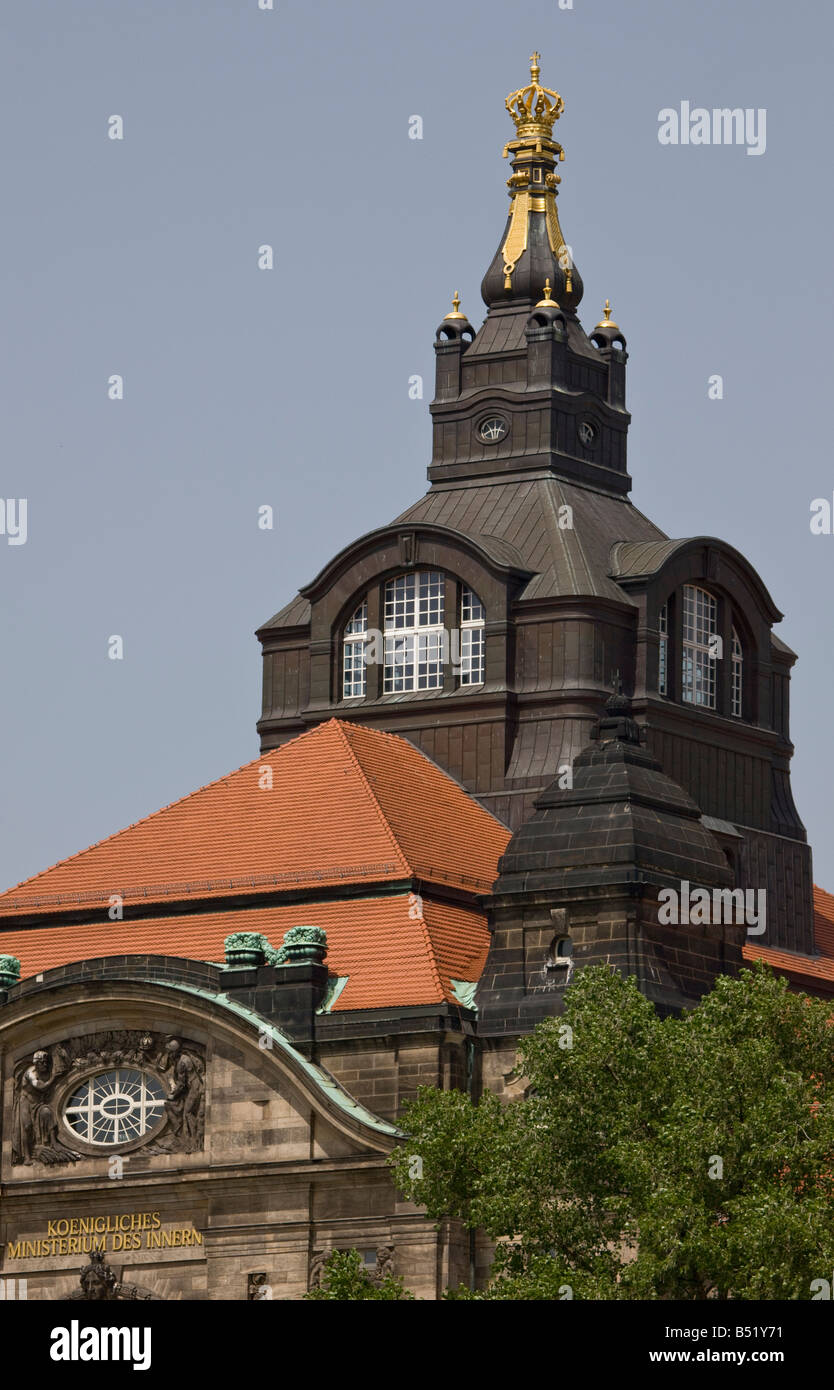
621 815
569 562
518 521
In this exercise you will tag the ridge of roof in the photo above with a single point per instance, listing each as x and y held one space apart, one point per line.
181 800
429 944
398 816
341 728
316 1075
143 820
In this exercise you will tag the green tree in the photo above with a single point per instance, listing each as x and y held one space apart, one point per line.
686 1157
345 1279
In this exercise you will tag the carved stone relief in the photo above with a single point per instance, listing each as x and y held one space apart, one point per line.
43 1082
99 1284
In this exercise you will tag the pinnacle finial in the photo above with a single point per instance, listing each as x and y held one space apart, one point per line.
534 66
547 301
607 321
455 312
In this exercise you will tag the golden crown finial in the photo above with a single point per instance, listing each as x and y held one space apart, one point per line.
534 108
547 302
455 313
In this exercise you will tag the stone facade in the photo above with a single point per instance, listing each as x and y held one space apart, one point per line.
287 1166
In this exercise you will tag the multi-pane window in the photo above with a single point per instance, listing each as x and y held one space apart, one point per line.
698 647
415 647
353 654
663 668
736 677
472 649
116 1106
413 633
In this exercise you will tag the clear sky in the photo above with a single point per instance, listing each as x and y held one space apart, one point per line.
138 257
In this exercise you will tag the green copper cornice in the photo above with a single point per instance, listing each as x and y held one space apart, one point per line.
317 1078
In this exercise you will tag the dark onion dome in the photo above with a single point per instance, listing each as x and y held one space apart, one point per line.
532 247
536 263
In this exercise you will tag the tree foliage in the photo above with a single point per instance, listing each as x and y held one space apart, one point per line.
686 1157
345 1279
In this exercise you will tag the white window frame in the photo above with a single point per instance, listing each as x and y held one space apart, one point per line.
472 638
413 634
698 666
663 654
737 677
139 1100
354 669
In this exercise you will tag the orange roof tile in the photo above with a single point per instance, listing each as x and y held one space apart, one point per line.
819 967
395 950
814 967
346 805
824 921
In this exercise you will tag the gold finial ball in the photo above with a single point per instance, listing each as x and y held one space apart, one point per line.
608 322
547 302
455 312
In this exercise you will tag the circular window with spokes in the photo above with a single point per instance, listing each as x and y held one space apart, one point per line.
115 1107
492 429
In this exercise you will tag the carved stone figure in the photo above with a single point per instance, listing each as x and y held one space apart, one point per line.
34 1123
186 1103
317 1263
99 1284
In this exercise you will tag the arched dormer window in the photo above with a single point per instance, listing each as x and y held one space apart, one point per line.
695 631
422 646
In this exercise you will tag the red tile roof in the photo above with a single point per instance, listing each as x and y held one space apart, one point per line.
346 805
396 950
820 967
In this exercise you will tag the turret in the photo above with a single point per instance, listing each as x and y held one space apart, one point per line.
530 391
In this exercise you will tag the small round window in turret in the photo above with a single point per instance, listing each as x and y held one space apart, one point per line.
587 433
493 428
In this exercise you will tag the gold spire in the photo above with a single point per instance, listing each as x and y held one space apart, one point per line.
534 108
547 302
455 312
608 322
